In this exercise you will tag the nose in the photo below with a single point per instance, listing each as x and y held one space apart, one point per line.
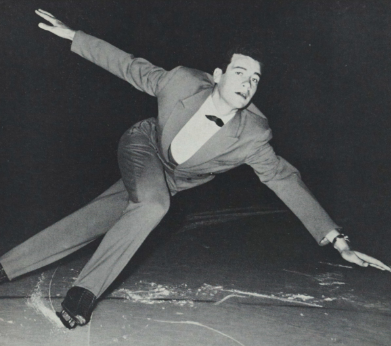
246 84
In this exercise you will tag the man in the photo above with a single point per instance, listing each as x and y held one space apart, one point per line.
205 125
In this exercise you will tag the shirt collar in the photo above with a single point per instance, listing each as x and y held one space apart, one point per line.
209 108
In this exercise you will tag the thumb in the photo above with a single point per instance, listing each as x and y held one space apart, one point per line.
359 260
362 263
45 26
352 257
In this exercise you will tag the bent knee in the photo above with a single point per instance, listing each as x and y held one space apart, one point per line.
158 206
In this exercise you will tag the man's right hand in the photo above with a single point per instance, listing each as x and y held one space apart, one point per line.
58 28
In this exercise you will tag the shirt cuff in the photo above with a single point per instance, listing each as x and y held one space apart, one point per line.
75 41
329 237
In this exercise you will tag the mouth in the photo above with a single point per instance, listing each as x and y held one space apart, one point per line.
244 95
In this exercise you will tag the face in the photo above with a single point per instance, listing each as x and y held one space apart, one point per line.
236 87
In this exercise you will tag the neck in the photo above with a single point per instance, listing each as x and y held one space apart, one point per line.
221 106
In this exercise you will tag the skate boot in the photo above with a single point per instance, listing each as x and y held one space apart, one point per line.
77 307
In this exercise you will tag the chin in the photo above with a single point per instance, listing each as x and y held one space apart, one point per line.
239 104
243 105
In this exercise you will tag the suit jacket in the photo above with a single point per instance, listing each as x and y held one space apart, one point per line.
244 140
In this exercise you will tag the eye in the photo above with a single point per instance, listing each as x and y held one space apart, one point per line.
255 81
239 73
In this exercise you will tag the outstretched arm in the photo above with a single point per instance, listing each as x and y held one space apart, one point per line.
286 182
58 27
139 72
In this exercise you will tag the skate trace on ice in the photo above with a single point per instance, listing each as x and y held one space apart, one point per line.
336 265
200 325
290 299
37 303
229 296
50 289
327 279
152 293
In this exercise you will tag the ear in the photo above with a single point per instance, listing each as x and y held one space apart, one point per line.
217 73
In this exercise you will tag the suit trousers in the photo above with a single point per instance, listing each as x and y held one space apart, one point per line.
126 213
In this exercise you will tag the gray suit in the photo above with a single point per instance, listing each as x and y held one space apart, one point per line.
132 208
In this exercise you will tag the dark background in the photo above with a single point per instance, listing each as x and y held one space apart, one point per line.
325 89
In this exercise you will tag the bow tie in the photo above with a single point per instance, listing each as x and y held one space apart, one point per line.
217 120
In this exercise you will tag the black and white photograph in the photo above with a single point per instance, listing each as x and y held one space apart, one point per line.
195 173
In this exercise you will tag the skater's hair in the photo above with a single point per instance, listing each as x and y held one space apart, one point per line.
248 49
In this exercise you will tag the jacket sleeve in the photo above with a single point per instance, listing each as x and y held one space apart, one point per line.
285 180
139 72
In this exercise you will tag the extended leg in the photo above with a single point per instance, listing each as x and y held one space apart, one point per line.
67 235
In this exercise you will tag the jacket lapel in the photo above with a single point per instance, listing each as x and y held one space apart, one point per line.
181 114
218 143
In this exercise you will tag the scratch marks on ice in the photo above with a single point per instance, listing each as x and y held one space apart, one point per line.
37 302
153 293
327 279
203 326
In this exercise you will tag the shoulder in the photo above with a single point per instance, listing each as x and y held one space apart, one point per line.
182 82
256 130
255 120
187 75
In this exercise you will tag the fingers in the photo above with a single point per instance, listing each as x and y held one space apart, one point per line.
46 15
372 261
45 26
352 258
363 260
382 266
42 11
58 28
377 267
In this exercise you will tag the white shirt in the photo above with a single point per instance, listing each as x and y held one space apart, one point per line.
197 131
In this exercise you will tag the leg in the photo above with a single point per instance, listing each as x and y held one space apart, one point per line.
67 235
144 178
